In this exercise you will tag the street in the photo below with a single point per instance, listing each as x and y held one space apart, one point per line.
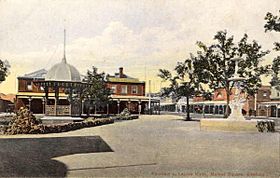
160 145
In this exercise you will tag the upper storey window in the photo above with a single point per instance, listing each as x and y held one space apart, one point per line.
114 89
134 89
219 96
29 85
124 89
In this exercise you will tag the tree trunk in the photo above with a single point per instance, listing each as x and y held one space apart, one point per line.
188 118
226 114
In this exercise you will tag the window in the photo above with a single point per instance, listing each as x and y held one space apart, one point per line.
29 85
134 89
278 94
114 89
219 96
124 89
264 93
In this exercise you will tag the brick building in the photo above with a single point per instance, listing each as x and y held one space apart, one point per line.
7 102
270 107
253 105
30 95
127 92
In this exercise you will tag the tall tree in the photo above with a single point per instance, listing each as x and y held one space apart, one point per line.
184 83
215 65
96 94
4 70
273 24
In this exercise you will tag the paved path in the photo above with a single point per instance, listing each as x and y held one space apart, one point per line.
163 146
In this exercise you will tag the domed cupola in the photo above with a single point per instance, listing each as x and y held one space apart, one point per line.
63 71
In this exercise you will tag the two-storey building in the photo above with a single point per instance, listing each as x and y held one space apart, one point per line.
260 104
30 95
33 96
129 92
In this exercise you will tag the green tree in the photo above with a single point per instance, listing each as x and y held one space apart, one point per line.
4 70
215 66
96 94
184 83
273 24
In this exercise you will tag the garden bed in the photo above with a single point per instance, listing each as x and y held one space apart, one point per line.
131 117
24 122
45 129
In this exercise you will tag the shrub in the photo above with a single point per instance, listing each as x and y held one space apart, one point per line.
266 125
125 112
119 117
25 123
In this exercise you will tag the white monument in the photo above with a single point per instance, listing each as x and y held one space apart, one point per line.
236 120
238 101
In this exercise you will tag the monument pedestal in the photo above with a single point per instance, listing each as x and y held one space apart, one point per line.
228 125
236 121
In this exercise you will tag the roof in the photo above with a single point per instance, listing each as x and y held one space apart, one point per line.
38 95
40 74
8 97
132 98
124 80
213 102
269 103
120 77
63 72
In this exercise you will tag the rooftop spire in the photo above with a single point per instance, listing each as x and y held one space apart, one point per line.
64 46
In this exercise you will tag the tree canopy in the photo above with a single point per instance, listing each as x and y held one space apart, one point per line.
214 64
96 92
4 70
273 24
184 82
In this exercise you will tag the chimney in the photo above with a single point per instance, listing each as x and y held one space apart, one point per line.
121 72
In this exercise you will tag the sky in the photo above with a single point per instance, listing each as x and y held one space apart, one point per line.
140 35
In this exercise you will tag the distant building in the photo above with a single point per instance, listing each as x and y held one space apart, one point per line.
270 107
168 104
218 103
7 102
129 92
261 104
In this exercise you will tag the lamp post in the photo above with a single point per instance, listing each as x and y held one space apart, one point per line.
43 103
188 94
118 104
267 110
29 102
139 107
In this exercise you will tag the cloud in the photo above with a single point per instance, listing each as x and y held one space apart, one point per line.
141 36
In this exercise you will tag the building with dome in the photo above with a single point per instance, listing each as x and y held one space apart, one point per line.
62 79
55 92
37 91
